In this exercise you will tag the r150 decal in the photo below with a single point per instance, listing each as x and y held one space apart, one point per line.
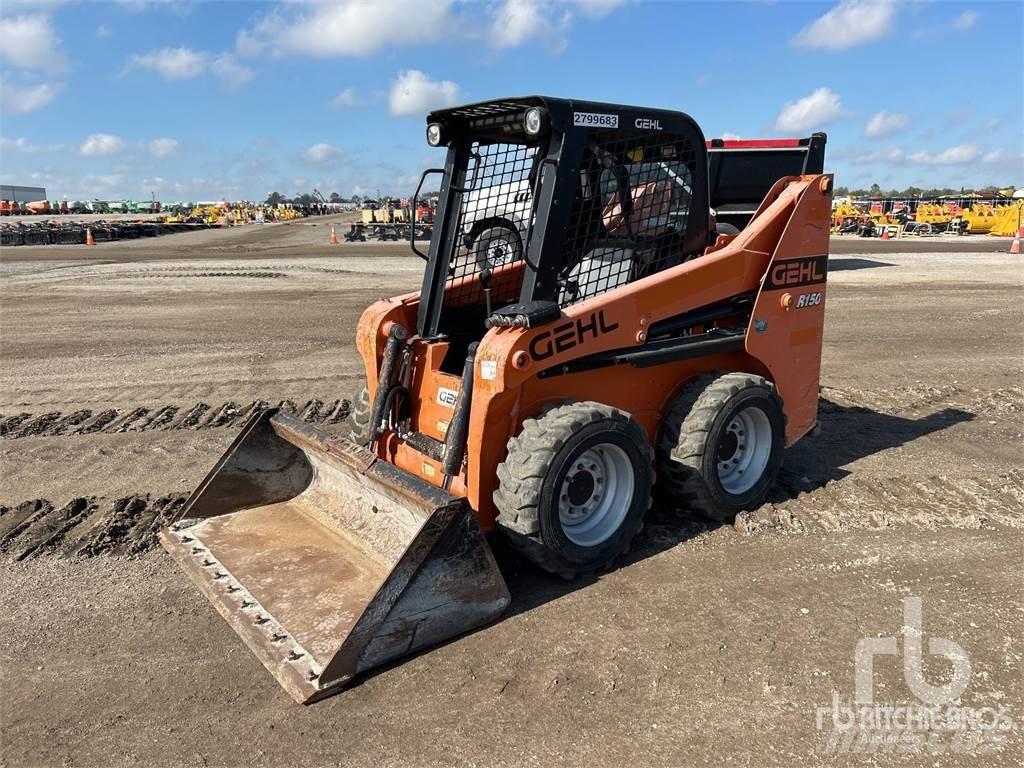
568 335
794 273
808 300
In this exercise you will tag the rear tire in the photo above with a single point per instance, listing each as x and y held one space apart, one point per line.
575 486
496 246
357 425
721 444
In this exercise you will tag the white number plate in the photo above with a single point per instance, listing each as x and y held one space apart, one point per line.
595 119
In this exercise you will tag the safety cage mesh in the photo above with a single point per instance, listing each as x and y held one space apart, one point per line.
493 224
610 242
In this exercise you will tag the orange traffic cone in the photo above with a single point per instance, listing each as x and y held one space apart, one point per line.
1015 245
88 236
334 236
885 233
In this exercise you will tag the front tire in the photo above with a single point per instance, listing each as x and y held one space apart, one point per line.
357 425
575 486
721 445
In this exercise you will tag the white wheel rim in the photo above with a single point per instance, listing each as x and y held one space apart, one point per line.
499 252
596 495
744 450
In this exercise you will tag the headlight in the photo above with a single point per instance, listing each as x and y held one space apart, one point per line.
434 134
533 121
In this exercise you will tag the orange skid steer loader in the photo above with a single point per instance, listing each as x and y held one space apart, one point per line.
607 299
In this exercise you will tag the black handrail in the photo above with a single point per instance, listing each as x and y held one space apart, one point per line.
412 212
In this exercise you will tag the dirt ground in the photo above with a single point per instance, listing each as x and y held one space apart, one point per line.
127 369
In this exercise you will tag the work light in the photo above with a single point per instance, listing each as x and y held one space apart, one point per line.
533 121
434 134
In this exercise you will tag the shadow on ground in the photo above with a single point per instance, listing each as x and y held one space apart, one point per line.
847 435
843 264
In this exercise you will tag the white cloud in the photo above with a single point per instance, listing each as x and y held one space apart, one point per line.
29 42
103 31
183 63
892 155
995 156
414 93
347 28
961 154
597 9
27 147
345 98
965 21
729 136
851 23
174 63
322 153
17 145
885 123
517 21
15 99
811 112
163 147
100 144
322 28
231 73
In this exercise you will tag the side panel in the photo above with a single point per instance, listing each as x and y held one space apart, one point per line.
787 324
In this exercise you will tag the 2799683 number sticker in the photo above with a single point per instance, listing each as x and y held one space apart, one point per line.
595 120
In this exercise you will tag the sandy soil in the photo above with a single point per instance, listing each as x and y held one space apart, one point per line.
127 369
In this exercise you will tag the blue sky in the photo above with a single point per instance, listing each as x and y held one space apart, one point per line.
233 100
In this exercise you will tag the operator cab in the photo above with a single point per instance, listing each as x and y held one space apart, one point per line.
548 202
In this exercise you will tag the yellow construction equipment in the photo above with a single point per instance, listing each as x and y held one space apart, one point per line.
979 218
1008 219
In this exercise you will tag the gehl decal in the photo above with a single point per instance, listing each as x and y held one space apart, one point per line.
568 335
794 273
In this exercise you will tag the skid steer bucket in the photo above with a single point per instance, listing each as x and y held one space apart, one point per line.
329 562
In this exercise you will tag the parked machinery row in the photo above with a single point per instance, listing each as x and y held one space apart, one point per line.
394 219
76 207
929 219
76 233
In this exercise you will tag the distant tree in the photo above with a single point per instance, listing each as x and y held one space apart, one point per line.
842 191
357 199
336 198
274 199
875 190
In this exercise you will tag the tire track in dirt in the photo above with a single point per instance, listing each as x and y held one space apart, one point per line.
127 525
146 418
86 526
